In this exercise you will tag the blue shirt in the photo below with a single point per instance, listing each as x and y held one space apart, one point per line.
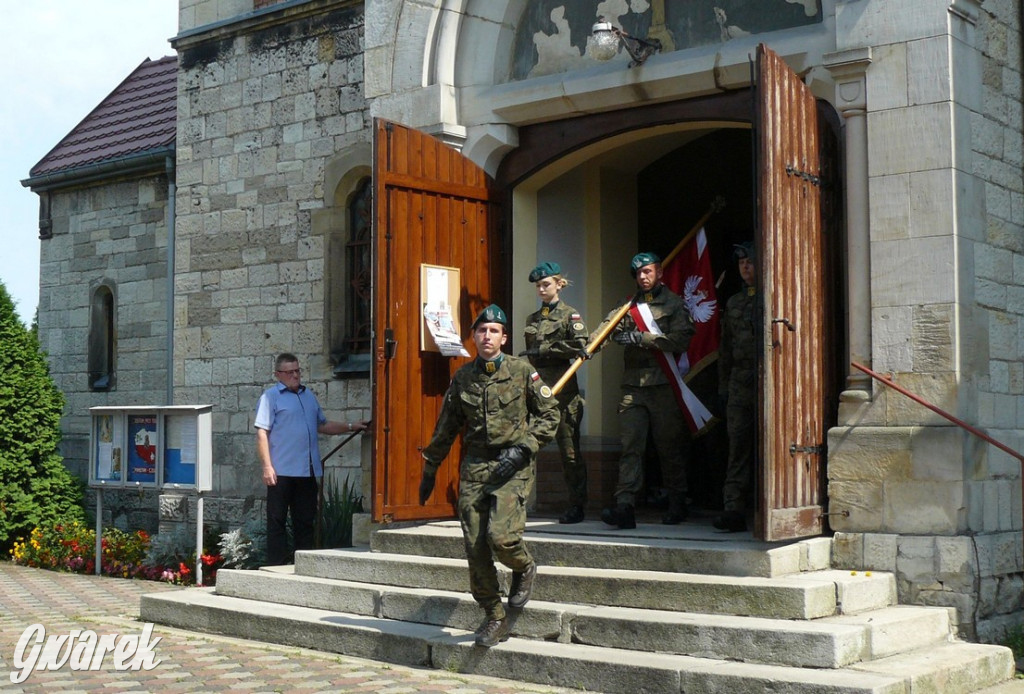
291 420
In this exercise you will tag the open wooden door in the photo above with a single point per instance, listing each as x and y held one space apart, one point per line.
792 278
433 206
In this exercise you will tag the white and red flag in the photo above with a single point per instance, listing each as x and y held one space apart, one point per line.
689 275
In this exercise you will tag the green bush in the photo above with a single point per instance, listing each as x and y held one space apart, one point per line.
336 514
35 487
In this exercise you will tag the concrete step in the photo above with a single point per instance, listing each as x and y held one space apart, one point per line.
683 549
801 596
954 667
825 643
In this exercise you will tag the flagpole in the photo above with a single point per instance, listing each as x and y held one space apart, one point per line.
597 340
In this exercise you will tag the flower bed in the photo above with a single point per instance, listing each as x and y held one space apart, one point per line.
72 547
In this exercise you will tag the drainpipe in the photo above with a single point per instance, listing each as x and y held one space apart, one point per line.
171 193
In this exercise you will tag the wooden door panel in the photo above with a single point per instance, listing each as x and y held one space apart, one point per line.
792 247
434 206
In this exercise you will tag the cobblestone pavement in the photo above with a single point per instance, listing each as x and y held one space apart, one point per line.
191 661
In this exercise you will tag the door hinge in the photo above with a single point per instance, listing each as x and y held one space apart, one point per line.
809 177
810 450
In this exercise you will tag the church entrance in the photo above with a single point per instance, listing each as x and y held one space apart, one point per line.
589 193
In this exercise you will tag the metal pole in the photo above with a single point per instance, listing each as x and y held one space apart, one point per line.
99 530
199 539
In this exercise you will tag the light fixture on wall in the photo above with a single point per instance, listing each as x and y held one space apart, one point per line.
605 38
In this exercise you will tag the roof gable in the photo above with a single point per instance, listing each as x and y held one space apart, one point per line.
138 116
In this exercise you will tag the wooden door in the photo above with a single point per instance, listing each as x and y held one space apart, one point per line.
433 206
791 251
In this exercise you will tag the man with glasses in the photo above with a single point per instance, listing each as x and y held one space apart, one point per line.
288 421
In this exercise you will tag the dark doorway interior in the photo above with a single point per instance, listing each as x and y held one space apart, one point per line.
673 192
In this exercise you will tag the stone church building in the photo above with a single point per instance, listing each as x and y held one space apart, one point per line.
281 181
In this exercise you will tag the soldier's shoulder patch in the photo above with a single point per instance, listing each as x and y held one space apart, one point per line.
575 316
535 376
545 391
577 326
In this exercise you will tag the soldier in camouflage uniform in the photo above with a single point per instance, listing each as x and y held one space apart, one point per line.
506 413
648 401
554 336
737 385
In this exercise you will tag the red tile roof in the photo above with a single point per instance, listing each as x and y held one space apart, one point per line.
138 116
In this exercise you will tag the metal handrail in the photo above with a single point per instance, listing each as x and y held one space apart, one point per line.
939 411
942 413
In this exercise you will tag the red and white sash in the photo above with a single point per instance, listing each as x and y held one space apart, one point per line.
696 414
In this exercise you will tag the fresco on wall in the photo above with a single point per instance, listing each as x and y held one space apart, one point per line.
552 34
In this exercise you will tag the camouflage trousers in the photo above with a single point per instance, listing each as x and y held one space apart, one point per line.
652 408
574 468
741 423
493 521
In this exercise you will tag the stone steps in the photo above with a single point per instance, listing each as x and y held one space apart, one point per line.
593 544
611 612
824 643
950 668
801 596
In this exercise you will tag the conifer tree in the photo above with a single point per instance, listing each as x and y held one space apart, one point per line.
35 487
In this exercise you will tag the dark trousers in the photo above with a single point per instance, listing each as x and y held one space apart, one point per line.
298 495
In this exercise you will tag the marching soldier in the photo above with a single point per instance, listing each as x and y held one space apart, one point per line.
555 334
737 385
506 414
648 401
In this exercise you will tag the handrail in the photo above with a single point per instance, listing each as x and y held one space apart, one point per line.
942 413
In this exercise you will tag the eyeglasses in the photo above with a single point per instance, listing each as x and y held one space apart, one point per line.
291 372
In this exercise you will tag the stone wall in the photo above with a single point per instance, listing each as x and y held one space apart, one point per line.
924 499
265 104
115 233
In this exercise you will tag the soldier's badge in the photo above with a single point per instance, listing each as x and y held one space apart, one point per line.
545 391
577 326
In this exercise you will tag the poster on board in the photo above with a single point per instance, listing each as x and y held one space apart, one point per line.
107 455
181 449
142 448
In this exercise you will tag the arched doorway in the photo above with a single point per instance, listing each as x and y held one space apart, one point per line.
573 187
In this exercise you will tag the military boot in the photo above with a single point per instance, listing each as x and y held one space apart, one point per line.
622 516
678 512
493 632
573 515
522 587
731 521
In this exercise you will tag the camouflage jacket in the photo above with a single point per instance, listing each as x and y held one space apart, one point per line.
737 351
558 334
493 411
673 319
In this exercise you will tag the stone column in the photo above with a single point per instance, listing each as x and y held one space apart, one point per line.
848 69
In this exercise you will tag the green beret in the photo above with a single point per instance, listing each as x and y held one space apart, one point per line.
641 259
743 250
491 314
545 270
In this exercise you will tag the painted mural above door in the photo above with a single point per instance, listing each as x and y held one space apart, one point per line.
552 34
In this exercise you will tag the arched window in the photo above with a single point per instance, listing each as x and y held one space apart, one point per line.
346 224
102 340
358 270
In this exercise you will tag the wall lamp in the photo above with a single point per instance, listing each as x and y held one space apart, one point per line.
605 38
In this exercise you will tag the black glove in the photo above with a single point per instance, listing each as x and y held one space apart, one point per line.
628 338
426 486
531 352
584 354
510 461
